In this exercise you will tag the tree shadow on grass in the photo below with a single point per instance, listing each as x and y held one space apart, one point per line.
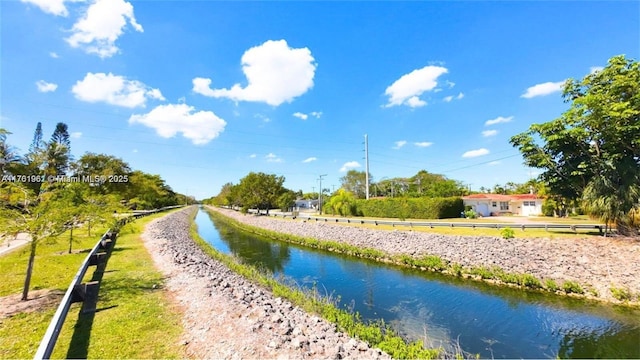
79 345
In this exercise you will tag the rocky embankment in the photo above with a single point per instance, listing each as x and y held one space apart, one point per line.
227 316
599 263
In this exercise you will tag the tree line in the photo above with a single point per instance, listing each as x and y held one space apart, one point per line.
46 192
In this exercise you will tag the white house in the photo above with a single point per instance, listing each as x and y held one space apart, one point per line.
304 204
497 204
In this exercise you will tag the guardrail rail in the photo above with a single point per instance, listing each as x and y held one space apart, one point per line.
432 224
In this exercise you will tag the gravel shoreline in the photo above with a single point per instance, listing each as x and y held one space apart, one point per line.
226 316
599 262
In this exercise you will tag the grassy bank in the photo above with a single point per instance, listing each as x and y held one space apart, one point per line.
479 231
493 275
135 318
377 335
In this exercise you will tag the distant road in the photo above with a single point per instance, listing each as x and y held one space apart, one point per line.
13 244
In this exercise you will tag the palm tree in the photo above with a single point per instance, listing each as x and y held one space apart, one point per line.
342 202
8 154
610 197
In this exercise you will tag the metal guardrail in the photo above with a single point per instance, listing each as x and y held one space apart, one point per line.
75 293
84 292
432 224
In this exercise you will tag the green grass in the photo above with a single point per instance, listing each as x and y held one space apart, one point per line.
135 318
465 231
621 294
52 262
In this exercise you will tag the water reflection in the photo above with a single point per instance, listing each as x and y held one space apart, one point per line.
488 320
254 251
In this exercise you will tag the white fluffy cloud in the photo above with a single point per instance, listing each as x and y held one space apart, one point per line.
408 88
349 165
276 73
399 144
102 24
114 90
308 160
75 135
46 87
489 133
494 163
253 156
448 98
300 115
53 7
498 120
543 89
271 157
200 127
475 153
423 144
54 55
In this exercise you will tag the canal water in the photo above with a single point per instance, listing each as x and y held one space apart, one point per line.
487 320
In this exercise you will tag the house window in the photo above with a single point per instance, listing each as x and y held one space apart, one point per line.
504 205
529 203
494 204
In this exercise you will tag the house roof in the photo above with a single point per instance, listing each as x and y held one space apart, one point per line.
500 197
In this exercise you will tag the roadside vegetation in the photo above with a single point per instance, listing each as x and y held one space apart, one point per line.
132 300
433 263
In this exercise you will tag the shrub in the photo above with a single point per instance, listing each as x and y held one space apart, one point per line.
507 233
530 281
621 294
470 214
417 208
551 285
572 287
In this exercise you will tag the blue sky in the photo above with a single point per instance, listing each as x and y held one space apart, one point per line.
203 92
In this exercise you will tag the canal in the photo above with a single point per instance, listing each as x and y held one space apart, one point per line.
492 321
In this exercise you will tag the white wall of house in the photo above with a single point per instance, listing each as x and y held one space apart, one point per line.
522 207
528 207
482 207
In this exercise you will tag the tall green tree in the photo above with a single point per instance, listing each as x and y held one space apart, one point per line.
592 151
58 151
102 167
45 218
355 182
37 144
61 135
260 190
147 191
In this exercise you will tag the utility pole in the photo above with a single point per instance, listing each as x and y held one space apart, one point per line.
366 162
320 196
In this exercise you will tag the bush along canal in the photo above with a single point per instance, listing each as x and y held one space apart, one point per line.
441 310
